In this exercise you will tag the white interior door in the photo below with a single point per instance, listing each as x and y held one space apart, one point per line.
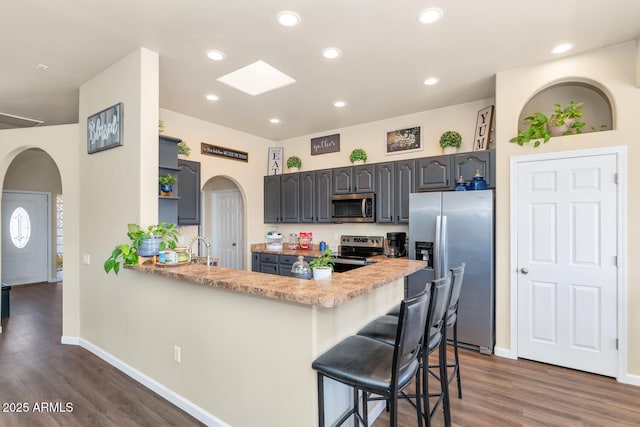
566 260
25 237
227 238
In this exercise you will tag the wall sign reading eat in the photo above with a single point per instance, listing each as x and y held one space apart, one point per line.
325 144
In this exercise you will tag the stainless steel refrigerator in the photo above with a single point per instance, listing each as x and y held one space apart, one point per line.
447 229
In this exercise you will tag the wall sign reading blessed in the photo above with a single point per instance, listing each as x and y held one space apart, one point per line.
214 150
104 129
325 144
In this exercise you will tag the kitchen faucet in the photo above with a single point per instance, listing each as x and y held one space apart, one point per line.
206 243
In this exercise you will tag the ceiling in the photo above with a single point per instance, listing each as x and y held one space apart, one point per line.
386 53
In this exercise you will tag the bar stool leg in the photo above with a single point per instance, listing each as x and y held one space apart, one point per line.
320 400
444 382
457 363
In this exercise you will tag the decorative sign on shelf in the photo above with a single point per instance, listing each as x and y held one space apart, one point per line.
403 140
214 150
482 137
104 129
325 144
276 159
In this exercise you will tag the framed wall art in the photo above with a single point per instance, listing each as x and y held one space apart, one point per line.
105 129
403 140
482 136
325 144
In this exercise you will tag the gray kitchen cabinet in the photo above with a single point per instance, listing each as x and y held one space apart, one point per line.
433 173
465 165
385 196
405 185
343 180
168 164
255 261
364 177
323 194
290 197
272 199
269 264
307 182
354 179
189 202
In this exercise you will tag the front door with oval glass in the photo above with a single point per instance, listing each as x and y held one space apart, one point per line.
25 237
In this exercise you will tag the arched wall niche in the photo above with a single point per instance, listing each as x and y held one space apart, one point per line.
598 111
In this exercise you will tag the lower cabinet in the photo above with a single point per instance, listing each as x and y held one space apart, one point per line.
274 263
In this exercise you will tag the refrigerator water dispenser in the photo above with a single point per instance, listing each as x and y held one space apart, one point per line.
424 252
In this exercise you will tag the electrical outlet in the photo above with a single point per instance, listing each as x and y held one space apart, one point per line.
335 236
86 259
177 354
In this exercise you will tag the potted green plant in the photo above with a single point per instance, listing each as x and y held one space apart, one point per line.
358 156
143 242
564 120
450 141
183 148
322 265
536 131
160 126
294 163
166 184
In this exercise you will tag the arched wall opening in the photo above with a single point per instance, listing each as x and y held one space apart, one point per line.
224 221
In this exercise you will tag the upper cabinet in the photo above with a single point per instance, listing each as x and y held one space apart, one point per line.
168 164
433 173
354 179
466 165
189 202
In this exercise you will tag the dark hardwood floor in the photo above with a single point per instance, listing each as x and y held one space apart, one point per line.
503 392
65 385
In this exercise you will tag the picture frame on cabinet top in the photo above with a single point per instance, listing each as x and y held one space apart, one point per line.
404 140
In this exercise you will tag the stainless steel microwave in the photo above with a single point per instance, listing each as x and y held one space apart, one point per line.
353 207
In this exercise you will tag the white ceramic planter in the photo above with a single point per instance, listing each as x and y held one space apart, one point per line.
293 169
358 162
322 273
450 150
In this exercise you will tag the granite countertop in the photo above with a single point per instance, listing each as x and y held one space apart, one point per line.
330 293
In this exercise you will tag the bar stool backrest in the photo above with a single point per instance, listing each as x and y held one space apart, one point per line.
410 332
440 294
452 311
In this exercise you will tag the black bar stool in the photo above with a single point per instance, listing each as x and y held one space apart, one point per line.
383 329
375 367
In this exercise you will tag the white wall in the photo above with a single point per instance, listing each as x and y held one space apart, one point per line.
613 69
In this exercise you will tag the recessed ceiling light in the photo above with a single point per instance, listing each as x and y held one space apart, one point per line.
215 55
431 81
288 18
429 16
331 52
339 104
274 120
212 97
562 48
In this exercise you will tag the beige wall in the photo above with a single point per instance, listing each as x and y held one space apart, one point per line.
60 143
613 70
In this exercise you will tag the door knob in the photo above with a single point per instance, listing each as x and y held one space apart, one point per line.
524 270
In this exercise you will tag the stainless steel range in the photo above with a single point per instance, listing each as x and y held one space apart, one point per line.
354 251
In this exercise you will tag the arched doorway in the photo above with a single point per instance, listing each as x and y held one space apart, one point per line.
32 182
223 221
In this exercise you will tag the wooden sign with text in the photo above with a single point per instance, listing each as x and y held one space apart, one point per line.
325 144
214 150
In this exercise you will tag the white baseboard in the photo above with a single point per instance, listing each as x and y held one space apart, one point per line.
375 411
629 379
504 352
186 405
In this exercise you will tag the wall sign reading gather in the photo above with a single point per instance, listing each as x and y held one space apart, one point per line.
325 144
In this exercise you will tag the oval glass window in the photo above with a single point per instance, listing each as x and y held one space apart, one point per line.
20 227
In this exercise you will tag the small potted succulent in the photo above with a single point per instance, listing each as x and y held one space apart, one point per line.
358 156
294 163
322 265
166 184
183 148
450 141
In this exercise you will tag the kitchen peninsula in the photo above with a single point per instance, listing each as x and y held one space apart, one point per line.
256 335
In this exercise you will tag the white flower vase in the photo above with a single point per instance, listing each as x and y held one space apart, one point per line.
293 169
450 150
358 162
322 273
